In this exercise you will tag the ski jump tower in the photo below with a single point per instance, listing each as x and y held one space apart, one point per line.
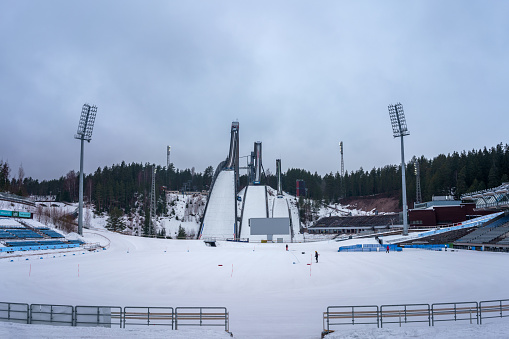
220 217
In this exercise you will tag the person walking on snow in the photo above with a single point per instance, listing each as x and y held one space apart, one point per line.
387 251
316 256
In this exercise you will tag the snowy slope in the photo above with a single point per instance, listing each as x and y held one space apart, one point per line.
255 206
280 209
219 220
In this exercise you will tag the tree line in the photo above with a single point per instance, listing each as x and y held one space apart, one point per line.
126 186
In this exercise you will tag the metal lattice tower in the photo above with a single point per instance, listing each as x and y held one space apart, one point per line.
341 188
342 162
168 149
418 196
153 202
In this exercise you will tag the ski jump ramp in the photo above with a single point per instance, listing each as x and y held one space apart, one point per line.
219 219
255 207
280 208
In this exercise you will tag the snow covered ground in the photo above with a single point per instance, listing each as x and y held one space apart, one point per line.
269 292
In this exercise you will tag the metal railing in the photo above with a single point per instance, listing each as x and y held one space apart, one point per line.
405 313
148 316
202 316
455 312
488 309
350 315
14 312
98 316
112 316
61 315
471 311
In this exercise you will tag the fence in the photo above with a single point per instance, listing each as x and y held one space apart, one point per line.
472 311
201 316
500 307
14 312
146 316
61 315
114 316
350 315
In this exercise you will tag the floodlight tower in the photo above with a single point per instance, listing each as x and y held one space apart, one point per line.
399 129
85 128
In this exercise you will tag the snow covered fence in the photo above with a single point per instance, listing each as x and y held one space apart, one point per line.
471 311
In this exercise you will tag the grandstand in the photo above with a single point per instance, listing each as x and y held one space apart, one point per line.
490 233
354 224
30 235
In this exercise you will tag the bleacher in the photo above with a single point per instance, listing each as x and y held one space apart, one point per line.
504 241
488 232
6 235
75 242
439 239
363 221
51 233
29 234
23 233
51 242
22 243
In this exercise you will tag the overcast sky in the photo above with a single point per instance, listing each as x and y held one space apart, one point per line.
300 76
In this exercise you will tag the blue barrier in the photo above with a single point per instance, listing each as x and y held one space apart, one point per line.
36 248
428 247
369 248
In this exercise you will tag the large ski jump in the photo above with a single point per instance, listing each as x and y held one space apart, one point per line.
219 220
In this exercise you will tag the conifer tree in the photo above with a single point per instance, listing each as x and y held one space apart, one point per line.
114 222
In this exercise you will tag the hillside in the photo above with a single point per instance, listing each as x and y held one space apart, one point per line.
386 202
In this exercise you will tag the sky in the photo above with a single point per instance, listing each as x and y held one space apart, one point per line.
299 76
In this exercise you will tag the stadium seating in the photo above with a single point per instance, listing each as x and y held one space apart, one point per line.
487 233
504 241
23 233
22 243
51 233
6 235
50 242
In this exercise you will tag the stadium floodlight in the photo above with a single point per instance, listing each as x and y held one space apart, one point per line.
399 129
85 128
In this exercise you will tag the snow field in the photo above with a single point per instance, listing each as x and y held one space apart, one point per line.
269 292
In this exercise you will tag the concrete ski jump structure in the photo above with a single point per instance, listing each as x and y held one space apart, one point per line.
255 206
221 220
